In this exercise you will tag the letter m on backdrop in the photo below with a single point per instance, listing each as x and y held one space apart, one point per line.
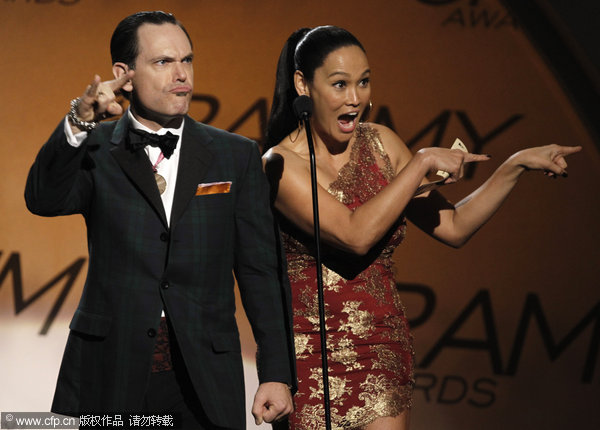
67 277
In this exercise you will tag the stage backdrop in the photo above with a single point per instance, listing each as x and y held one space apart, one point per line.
507 329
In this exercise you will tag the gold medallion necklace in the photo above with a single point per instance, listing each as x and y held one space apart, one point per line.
161 183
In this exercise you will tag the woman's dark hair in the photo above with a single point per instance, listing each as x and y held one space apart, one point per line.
124 41
305 50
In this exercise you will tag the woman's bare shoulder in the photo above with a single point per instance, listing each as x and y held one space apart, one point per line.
283 161
279 151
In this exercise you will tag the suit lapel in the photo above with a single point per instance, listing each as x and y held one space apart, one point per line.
137 167
194 162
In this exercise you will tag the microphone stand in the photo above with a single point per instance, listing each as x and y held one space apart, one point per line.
317 233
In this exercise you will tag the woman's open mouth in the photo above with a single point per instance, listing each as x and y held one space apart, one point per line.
347 121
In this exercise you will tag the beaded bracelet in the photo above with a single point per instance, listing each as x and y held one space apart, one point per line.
83 125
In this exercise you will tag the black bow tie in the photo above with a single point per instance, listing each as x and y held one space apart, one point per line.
166 142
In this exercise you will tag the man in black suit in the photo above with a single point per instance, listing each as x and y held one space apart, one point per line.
168 227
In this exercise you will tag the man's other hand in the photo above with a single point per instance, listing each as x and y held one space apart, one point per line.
272 402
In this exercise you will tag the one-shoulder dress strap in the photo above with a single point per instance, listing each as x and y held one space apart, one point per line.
373 139
367 170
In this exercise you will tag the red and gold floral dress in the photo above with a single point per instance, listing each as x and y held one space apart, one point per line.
370 352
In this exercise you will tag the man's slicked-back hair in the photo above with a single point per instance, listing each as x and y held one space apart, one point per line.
124 41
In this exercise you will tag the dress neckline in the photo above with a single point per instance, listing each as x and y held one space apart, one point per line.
366 137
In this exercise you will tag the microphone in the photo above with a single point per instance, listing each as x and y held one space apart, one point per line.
303 107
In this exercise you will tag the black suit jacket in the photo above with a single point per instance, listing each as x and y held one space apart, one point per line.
138 265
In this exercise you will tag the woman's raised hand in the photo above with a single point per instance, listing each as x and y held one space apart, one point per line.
451 161
549 158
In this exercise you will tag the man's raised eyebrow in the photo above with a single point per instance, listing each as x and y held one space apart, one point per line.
162 58
189 56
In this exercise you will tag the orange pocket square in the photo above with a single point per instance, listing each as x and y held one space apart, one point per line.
213 188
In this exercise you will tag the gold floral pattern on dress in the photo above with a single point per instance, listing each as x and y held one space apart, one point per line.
296 271
380 395
331 279
311 309
312 417
302 345
366 145
399 330
298 258
338 387
372 136
342 351
359 322
383 397
388 359
373 286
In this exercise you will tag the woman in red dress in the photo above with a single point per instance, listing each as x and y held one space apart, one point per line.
367 184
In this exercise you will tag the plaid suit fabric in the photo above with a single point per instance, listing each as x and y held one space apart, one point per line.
138 266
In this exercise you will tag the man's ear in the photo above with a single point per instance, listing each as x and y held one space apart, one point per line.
119 69
301 84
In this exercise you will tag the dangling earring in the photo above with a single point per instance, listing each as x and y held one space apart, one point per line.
298 130
365 116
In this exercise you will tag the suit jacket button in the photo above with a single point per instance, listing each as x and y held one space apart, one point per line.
164 285
164 237
151 332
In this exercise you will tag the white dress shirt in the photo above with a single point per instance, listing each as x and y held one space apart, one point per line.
167 167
